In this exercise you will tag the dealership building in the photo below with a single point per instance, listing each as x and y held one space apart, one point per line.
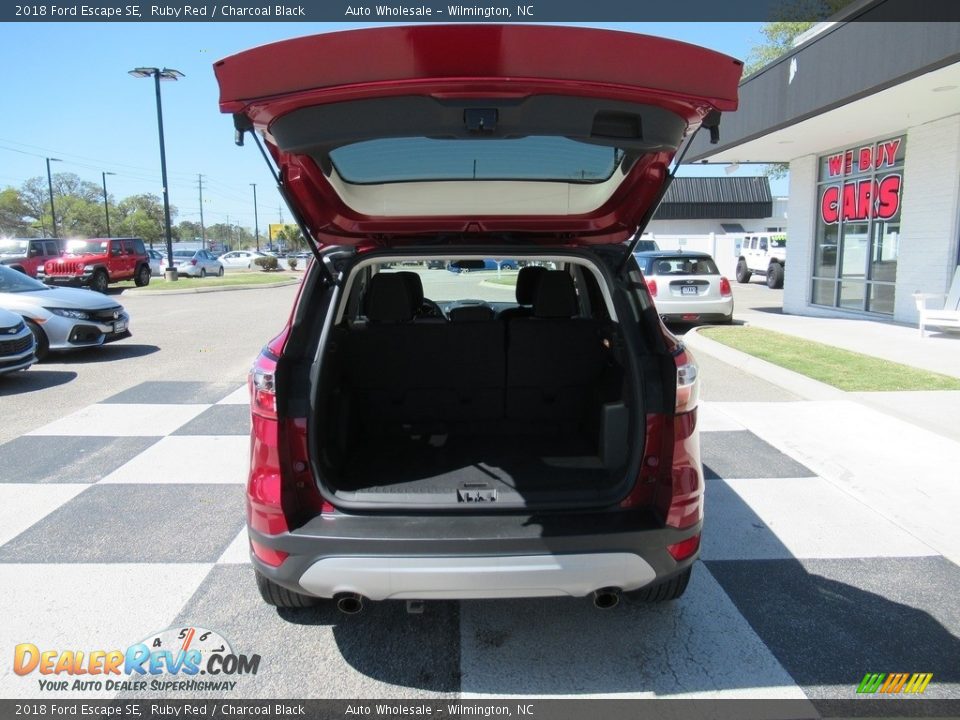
867 114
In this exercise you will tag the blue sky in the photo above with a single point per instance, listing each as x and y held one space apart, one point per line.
67 94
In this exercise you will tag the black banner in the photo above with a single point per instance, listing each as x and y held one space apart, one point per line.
659 709
363 11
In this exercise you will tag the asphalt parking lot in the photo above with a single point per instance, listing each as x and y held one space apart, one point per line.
121 514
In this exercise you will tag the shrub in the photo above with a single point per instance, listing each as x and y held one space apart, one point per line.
292 262
267 263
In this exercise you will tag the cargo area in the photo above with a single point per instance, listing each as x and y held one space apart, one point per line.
523 407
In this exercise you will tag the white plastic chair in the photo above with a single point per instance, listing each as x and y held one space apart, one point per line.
945 314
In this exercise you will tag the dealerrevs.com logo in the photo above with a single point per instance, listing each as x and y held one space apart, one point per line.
171 660
894 683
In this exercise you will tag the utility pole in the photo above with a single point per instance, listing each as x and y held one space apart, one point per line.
256 220
203 231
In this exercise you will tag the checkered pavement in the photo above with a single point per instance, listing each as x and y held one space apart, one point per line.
126 518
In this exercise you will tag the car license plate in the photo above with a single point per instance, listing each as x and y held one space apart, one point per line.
688 290
120 326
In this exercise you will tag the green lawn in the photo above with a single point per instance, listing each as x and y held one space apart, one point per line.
230 279
509 280
843 369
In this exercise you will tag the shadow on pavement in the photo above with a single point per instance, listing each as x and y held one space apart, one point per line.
32 380
104 353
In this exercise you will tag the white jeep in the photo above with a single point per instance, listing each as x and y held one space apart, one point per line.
764 255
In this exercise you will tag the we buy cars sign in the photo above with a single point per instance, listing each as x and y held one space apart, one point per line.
873 195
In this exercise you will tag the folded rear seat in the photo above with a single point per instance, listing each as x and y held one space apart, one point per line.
555 359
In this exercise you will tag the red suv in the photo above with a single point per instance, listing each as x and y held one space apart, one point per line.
97 262
28 254
419 434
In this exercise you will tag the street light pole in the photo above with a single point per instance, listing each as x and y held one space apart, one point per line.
256 221
53 213
165 74
106 204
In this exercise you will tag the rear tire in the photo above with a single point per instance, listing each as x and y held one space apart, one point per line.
775 277
142 278
203 272
43 345
665 591
279 596
743 272
220 271
99 281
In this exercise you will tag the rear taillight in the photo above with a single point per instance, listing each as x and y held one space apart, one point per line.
263 385
652 287
281 492
725 290
688 385
193 261
671 476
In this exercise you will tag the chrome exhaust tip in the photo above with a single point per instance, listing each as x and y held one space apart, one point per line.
606 598
349 603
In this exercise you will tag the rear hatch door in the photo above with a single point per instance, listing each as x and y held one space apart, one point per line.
394 135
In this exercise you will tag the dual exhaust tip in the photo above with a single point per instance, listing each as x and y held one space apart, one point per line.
352 603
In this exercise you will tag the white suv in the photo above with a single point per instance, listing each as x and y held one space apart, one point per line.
764 255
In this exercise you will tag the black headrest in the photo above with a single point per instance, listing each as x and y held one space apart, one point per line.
388 299
471 313
414 285
556 296
527 281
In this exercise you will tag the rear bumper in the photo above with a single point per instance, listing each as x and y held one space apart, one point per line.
462 557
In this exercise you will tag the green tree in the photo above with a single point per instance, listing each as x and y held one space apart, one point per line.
141 216
187 230
15 218
291 238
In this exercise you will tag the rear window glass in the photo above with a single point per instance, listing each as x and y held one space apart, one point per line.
682 266
528 158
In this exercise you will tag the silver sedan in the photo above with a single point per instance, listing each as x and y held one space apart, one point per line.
62 318
196 263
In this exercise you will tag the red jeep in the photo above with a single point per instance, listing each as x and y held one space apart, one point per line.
98 262
28 254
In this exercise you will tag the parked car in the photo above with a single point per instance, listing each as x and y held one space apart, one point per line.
158 262
646 246
464 455
62 318
196 263
240 259
687 286
763 255
27 254
98 262
17 346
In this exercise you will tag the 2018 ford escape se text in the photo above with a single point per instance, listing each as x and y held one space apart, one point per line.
419 434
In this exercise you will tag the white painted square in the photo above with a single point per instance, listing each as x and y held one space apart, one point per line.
196 459
905 473
240 396
698 646
86 607
238 551
123 420
711 418
783 518
22 505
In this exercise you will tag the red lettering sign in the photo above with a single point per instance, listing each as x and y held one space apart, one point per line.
835 165
860 200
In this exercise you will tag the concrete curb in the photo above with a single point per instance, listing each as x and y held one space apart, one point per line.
488 284
793 382
221 288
